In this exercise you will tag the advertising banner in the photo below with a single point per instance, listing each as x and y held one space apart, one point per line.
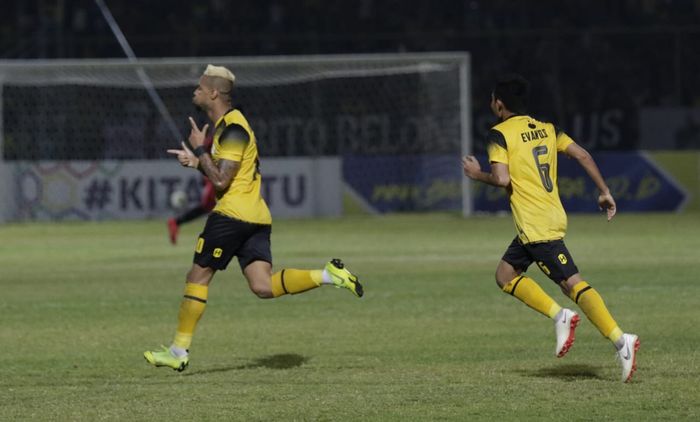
114 189
405 182
421 182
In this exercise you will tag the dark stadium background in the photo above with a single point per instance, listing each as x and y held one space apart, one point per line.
597 63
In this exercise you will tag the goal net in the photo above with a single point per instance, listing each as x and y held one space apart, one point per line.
398 123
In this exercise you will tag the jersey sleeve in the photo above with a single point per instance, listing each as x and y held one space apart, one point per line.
563 140
497 147
233 142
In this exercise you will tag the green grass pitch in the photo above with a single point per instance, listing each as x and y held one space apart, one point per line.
433 338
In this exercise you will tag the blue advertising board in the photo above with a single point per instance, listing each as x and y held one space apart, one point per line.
395 183
433 183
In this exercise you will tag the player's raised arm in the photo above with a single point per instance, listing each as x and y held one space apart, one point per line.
222 175
605 200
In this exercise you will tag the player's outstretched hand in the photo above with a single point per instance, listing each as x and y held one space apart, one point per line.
185 156
607 202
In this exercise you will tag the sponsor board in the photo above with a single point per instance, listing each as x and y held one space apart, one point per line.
114 189
433 183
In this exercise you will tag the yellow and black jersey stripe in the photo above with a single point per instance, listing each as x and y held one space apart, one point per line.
234 140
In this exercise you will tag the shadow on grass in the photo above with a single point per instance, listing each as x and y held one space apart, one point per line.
280 361
564 372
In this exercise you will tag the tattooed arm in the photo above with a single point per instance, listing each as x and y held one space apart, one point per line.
222 175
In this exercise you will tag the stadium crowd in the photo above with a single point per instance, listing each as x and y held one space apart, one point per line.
75 28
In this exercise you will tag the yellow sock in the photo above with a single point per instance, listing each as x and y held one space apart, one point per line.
591 303
295 281
191 309
531 294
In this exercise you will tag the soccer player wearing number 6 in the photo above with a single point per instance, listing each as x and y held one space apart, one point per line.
240 224
523 156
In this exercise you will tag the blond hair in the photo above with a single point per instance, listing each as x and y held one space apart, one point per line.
219 72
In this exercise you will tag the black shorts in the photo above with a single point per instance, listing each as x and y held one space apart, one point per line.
225 237
552 257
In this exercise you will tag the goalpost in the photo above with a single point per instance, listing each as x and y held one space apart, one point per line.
397 123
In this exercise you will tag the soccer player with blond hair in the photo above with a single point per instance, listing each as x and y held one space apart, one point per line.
240 224
523 156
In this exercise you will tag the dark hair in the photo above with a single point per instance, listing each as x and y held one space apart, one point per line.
514 91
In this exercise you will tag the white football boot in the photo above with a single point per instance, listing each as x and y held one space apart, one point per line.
565 323
627 355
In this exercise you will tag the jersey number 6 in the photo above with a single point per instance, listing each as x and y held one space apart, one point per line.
543 168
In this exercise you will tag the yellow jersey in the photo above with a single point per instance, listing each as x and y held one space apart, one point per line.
529 148
234 140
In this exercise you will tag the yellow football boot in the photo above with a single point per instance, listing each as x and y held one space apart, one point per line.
343 278
163 357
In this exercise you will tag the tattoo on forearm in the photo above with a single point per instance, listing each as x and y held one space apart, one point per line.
220 176
208 167
228 170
